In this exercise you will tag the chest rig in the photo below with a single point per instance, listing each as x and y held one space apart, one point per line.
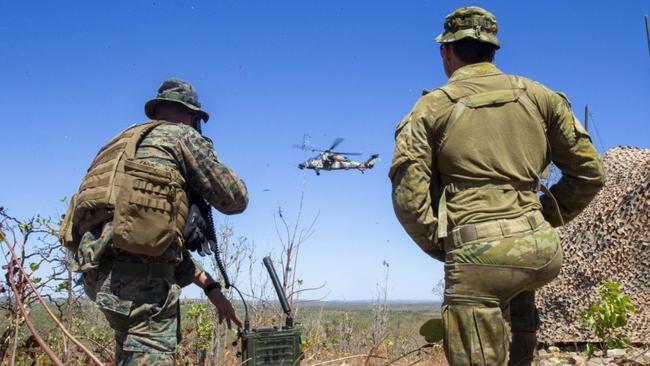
469 105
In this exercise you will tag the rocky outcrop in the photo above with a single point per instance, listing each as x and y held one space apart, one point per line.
609 240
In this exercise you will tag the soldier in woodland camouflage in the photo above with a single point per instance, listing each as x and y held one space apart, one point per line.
139 294
466 170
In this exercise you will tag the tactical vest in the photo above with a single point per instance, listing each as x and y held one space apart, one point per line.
472 106
147 201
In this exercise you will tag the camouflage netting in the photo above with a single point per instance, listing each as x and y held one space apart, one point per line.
609 240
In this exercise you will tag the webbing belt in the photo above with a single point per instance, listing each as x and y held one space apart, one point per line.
443 219
144 270
493 229
457 187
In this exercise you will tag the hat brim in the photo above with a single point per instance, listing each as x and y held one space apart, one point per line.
150 107
448 37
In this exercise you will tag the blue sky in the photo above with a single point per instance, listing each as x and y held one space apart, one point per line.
75 73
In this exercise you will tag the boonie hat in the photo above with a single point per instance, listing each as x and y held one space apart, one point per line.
178 91
470 22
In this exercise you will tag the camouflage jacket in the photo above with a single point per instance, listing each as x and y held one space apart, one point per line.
183 148
512 145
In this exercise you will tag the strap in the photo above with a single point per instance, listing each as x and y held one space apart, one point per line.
459 108
442 214
495 228
133 137
455 187
137 134
532 109
144 270
211 287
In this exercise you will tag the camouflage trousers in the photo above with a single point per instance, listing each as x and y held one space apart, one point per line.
490 282
142 310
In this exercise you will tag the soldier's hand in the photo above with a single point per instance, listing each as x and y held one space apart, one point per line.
224 308
194 230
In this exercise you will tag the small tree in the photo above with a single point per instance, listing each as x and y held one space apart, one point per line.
607 317
291 241
35 240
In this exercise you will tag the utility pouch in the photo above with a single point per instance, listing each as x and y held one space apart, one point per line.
68 234
150 209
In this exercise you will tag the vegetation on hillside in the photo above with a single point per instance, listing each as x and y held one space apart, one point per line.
373 333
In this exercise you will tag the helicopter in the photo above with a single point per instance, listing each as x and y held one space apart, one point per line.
335 160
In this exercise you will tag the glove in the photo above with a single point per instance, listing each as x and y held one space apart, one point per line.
194 230
194 233
207 247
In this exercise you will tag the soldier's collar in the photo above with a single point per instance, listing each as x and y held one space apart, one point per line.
474 70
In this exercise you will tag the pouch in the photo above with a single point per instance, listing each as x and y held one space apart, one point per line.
150 209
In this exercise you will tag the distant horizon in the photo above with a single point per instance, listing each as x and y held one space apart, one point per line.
359 302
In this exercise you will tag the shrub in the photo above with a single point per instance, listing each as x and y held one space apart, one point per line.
607 317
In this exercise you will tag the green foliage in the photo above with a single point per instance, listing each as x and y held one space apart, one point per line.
606 317
34 266
65 285
204 326
196 310
24 227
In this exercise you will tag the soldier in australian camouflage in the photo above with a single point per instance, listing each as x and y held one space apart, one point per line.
466 171
139 293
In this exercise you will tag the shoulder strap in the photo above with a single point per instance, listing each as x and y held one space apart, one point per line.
531 107
135 134
454 94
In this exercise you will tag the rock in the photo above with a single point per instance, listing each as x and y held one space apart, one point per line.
576 359
545 363
553 349
543 354
641 357
598 353
596 361
616 353
599 361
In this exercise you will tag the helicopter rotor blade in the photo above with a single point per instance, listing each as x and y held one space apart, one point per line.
346 153
336 143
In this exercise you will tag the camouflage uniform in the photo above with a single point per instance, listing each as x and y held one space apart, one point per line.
138 294
467 162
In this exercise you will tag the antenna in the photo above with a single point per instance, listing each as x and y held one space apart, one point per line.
647 32
587 117
278 289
